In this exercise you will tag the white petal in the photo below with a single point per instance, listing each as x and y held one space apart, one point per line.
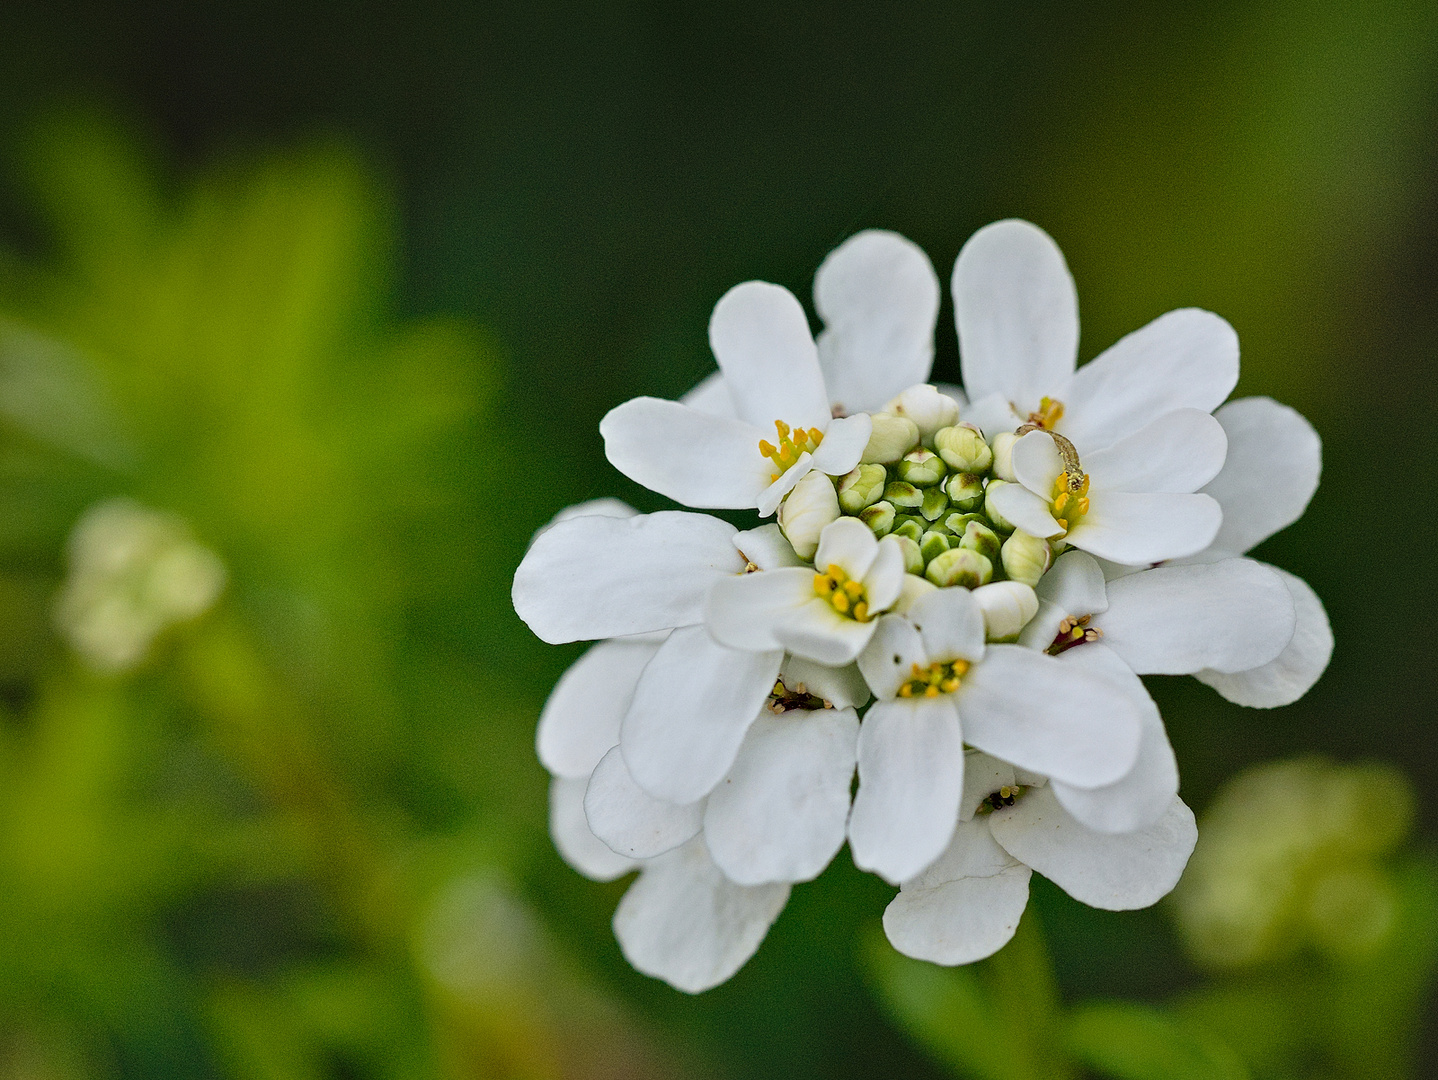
911 590
820 633
605 507
711 396
1274 458
1037 463
580 721
892 654
600 577
911 777
1142 796
954 391
843 444
760 336
1145 527
773 495
1186 359
1024 510
684 922
885 577
983 775
1028 708
963 908
1043 628
766 547
842 687
1180 451
1008 607
848 544
1017 314
629 819
743 610
694 703
951 625
704 461
1176 620
569 829
991 414
1075 585
1115 872
1287 678
879 298
780 813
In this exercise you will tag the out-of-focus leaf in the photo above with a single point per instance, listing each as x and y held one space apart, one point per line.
1128 1041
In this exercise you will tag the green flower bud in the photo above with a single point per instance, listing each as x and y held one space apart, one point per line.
963 449
979 537
911 527
957 523
926 407
960 566
932 545
996 519
904 495
806 510
934 505
862 487
879 518
1007 608
913 557
1004 455
1026 558
892 438
921 468
965 490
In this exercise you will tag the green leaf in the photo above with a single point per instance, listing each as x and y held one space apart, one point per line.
1128 1041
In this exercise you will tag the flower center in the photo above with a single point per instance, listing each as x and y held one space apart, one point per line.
1049 413
1070 498
935 679
845 595
1073 631
792 443
782 699
1005 796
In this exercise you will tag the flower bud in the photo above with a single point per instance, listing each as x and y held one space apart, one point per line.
960 566
935 504
879 518
891 438
862 487
913 557
921 468
1004 455
963 449
911 527
806 510
926 407
910 591
996 519
965 490
933 545
903 495
1026 558
979 537
1007 608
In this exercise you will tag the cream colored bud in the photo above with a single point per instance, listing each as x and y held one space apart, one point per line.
1004 455
806 510
1007 608
960 566
904 495
932 545
891 438
963 449
879 518
921 468
965 490
926 407
862 487
911 527
979 537
996 519
913 558
1026 558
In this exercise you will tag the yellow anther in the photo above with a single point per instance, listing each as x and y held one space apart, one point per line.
1083 503
854 589
936 679
845 595
861 611
840 600
1049 413
823 584
837 573
768 449
782 428
931 691
1063 522
792 444
949 685
1061 501
906 690
815 437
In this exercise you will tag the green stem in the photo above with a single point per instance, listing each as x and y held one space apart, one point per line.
1020 978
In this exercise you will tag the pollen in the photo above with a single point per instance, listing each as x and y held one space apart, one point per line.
1073 630
1070 498
845 595
1049 413
793 442
934 680
1005 796
783 699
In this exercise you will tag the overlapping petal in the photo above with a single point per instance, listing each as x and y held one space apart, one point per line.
760 336
580 721
630 820
1179 452
1134 528
576 844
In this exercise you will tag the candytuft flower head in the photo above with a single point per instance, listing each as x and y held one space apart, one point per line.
996 570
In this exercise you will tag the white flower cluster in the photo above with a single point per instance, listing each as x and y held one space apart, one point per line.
957 598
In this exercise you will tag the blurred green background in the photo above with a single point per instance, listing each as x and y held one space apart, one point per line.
347 288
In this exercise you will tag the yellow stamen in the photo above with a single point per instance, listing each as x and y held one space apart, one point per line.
840 601
936 679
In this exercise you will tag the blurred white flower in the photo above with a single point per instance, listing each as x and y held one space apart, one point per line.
133 573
